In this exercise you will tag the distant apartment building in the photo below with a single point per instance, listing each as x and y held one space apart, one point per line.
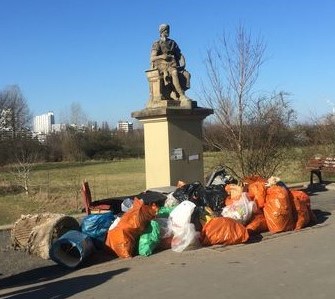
56 128
125 126
42 124
5 120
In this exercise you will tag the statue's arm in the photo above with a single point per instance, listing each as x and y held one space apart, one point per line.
179 56
154 57
182 61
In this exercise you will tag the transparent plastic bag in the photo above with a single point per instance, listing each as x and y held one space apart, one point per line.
185 238
165 227
171 201
166 233
181 214
127 204
240 210
184 234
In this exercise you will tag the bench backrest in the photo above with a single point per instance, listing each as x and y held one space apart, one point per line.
329 164
324 163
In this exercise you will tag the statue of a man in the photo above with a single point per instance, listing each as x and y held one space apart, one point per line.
168 59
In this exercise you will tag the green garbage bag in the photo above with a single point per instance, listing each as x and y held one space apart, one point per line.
149 239
164 212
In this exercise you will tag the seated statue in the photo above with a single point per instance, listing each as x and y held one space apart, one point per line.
167 58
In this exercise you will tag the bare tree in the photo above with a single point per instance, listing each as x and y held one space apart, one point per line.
77 115
74 115
105 126
26 154
21 170
319 135
248 127
15 114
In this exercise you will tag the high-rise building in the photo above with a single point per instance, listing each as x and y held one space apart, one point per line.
42 124
125 126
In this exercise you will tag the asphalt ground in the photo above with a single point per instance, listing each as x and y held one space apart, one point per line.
19 270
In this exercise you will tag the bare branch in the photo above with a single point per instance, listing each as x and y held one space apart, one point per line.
252 128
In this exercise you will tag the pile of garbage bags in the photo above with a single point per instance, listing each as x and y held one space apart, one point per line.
194 215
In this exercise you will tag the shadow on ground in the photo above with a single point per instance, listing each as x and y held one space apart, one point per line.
255 238
321 216
316 188
64 288
42 274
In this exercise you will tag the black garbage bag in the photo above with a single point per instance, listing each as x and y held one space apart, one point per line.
212 196
150 197
192 192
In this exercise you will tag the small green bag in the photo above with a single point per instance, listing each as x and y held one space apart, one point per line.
164 212
149 239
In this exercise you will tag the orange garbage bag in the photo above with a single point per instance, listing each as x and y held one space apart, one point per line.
278 210
222 230
257 224
228 201
257 192
305 198
301 207
122 238
234 191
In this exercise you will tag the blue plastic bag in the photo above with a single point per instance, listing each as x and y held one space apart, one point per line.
96 226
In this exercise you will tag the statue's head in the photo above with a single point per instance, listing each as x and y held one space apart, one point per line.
164 28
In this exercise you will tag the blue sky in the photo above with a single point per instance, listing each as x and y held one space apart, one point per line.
95 53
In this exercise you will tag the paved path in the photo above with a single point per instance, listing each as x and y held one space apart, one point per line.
287 265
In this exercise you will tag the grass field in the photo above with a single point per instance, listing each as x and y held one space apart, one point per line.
55 187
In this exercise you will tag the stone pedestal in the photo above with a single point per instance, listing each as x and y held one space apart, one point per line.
173 144
155 85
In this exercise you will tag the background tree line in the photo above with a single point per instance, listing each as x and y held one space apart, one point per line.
73 145
17 143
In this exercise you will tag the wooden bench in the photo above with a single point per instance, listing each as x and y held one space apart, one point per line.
319 165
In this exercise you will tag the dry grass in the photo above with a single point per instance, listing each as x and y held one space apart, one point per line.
55 187
292 170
